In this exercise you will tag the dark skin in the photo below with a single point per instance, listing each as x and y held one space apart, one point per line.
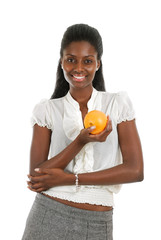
79 63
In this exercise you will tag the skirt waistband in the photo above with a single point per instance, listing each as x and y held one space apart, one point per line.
73 212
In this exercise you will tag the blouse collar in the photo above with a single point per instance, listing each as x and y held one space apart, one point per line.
75 104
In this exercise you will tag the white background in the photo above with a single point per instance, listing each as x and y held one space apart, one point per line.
31 32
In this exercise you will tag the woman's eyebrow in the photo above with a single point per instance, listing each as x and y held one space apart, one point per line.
90 56
68 54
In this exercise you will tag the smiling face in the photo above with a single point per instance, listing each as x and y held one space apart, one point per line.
79 63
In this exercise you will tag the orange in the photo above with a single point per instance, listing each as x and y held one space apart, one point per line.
96 118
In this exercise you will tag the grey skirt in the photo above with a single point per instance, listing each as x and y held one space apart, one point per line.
51 220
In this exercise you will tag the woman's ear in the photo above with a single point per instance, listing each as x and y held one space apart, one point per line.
98 65
61 63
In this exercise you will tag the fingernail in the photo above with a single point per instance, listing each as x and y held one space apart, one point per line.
93 127
36 169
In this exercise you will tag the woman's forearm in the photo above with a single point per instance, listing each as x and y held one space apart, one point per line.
116 175
57 177
40 148
63 158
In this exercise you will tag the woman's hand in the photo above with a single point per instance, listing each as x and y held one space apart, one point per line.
49 178
85 135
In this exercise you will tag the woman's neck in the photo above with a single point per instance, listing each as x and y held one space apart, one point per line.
83 95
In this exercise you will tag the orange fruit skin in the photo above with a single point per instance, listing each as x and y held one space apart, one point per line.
96 118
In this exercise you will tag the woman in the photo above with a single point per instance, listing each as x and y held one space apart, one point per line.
75 186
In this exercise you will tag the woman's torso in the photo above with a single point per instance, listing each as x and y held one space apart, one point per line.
64 118
84 206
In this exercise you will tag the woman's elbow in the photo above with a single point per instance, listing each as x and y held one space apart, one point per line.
135 173
139 175
137 170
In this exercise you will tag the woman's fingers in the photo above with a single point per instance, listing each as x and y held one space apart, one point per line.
38 190
109 125
36 187
36 179
90 129
44 170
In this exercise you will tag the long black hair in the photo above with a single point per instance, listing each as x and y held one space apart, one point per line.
79 32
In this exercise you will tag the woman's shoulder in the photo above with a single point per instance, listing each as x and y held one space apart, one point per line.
56 100
48 103
119 104
44 111
114 96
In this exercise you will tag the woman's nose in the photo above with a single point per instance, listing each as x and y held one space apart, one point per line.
79 67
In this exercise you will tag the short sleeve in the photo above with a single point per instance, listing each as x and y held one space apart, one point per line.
41 114
125 107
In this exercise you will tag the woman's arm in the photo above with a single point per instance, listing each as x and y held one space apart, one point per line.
40 150
39 147
51 171
41 144
131 170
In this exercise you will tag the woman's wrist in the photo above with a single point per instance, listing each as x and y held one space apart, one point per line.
70 179
81 142
73 179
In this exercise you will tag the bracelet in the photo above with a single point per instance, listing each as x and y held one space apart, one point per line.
76 182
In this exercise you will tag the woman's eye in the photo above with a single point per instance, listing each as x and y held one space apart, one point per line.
71 60
88 61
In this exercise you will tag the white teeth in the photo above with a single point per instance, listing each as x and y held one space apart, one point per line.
79 77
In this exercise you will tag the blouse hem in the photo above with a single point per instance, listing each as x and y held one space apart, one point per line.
94 198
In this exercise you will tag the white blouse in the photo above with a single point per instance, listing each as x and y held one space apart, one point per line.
64 118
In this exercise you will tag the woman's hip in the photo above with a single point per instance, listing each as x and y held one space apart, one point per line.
49 219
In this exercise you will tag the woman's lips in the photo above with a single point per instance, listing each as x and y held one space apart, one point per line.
78 78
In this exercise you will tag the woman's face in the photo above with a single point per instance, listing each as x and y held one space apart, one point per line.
79 63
